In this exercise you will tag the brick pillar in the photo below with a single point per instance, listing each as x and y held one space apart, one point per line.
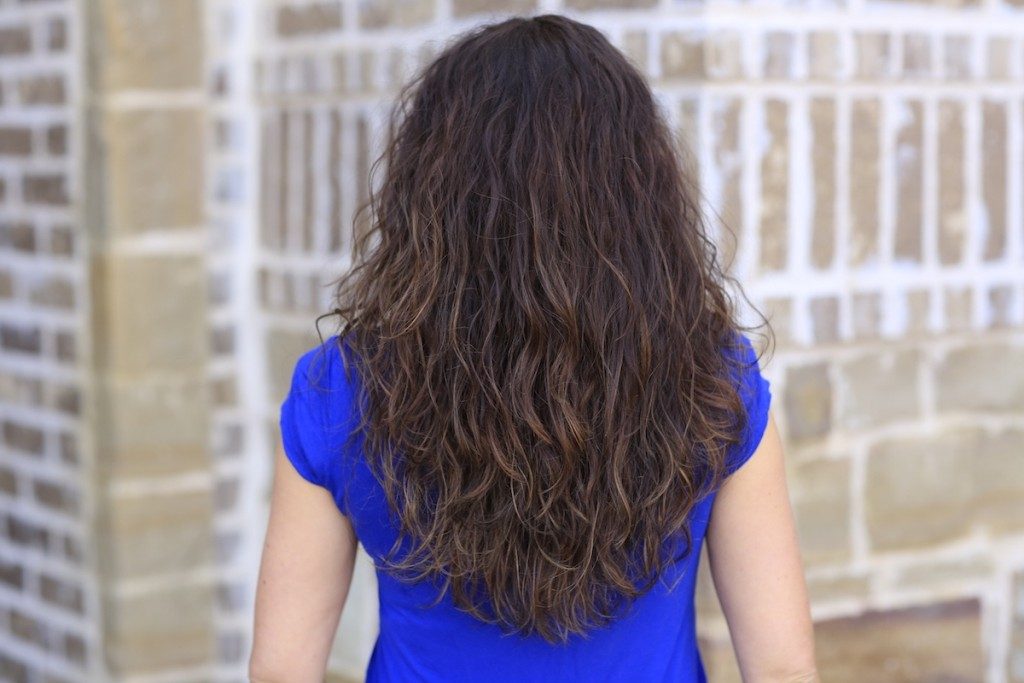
144 214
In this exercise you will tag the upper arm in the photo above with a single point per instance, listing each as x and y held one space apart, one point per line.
304 578
755 563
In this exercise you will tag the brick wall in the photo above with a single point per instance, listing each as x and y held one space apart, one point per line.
868 155
47 601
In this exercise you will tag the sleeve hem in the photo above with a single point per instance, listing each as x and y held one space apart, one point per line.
292 444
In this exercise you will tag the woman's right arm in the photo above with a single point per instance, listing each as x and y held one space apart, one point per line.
754 557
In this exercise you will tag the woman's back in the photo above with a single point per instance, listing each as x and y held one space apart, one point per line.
652 639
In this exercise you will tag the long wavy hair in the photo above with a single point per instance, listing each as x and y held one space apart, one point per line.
537 317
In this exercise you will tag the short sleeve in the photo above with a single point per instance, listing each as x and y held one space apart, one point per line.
301 419
755 392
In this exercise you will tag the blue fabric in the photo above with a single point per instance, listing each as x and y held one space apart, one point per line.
654 641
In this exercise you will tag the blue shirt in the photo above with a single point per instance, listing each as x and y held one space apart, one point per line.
655 640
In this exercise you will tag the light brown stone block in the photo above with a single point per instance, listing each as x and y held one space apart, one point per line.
682 55
807 401
864 170
952 204
148 44
775 186
910 180
983 378
994 143
821 503
155 165
940 642
823 150
880 387
381 13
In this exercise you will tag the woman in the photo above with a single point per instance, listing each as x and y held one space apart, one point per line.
537 406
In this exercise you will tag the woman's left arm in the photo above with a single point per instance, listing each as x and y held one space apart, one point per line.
304 578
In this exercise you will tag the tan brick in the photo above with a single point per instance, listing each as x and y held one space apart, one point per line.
381 13
953 220
15 40
160 630
728 160
461 8
779 48
155 170
917 56
62 593
149 535
23 438
775 186
879 387
999 481
807 398
824 319
149 45
994 174
937 507
154 427
866 310
999 57
910 181
56 496
823 150
308 19
634 46
959 385
828 589
864 168
957 53
54 292
682 55
824 60
937 642
1001 306
136 297
45 188
821 504
724 55
873 52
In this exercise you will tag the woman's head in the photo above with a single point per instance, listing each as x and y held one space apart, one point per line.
539 321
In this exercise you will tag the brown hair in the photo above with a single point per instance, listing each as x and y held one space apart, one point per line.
539 318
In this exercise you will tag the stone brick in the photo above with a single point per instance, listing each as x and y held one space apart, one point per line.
634 46
160 630
42 90
829 589
994 177
917 56
821 504
910 180
56 34
957 308
57 139
999 481
19 236
866 312
8 481
155 426
130 294
824 59
24 533
15 141
307 19
402 13
957 379
62 498
45 188
823 150
150 45
53 292
934 575
880 387
462 8
155 170
775 186
728 161
22 338
779 48
15 40
999 58
158 534
682 55
920 490
873 52
808 401
724 55
1001 305
62 241
939 642
864 169
824 312
23 438
957 64
953 219
62 593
